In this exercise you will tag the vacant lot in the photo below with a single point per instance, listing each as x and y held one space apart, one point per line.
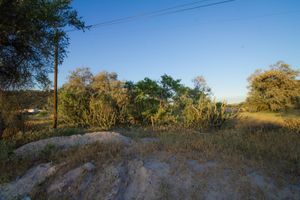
256 156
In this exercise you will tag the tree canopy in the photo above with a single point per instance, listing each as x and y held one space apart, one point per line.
29 29
275 89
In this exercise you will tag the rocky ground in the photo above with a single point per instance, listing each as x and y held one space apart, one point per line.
155 175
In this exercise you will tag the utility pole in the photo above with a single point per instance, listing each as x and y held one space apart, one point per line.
55 80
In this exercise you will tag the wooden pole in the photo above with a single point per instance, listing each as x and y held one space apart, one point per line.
55 81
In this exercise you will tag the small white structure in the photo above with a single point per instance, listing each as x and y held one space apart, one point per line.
31 111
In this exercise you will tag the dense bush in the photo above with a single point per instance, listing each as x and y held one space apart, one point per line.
276 89
87 100
105 102
74 98
103 112
206 114
73 106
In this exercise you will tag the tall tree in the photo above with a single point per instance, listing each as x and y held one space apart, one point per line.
29 32
33 36
275 89
170 87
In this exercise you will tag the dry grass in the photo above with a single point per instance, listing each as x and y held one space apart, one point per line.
257 138
275 118
262 139
13 166
99 154
277 148
269 117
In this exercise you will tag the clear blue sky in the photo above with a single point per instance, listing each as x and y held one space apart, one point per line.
224 43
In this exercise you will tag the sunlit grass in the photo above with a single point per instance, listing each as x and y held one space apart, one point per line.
266 138
263 117
271 117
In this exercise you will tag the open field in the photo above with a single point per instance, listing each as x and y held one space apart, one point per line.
269 117
256 156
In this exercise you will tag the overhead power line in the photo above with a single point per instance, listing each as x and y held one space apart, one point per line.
156 13
149 13
196 7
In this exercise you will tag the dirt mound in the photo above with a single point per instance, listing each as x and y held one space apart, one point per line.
69 141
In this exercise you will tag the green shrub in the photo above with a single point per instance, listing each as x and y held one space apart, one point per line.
74 106
103 113
164 116
276 89
103 101
206 114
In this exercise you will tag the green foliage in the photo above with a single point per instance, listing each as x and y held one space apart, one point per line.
29 31
147 99
74 98
88 100
274 90
205 114
165 116
103 112
73 106
170 87
108 102
105 102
